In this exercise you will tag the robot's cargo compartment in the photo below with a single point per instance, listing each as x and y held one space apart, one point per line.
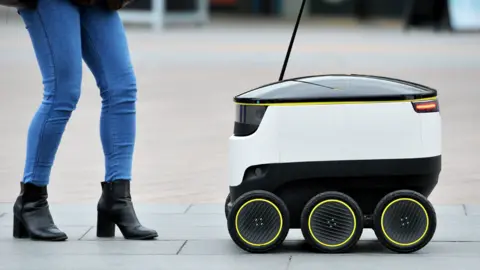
336 88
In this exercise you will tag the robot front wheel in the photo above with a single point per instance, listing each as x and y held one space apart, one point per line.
404 221
332 222
258 221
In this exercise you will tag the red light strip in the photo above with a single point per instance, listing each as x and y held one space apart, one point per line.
426 106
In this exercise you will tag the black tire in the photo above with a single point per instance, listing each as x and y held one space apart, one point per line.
258 222
404 221
227 207
332 222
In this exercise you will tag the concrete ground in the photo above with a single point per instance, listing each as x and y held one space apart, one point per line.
187 78
195 237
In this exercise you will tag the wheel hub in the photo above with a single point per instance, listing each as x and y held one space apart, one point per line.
258 222
405 222
331 223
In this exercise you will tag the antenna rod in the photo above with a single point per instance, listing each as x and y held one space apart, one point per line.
285 63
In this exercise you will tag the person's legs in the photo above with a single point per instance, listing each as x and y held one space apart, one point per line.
54 28
106 52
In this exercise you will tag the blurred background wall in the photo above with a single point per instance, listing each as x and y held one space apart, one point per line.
390 9
408 12
439 14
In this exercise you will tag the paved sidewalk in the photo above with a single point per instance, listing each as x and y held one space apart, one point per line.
195 237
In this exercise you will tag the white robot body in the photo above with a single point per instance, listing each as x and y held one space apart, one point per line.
335 131
326 132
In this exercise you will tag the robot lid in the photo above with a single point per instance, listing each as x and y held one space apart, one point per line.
336 88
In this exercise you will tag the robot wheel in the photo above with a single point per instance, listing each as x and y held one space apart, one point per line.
258 221
332 222
404 221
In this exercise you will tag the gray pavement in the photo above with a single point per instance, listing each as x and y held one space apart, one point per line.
187 78
195 237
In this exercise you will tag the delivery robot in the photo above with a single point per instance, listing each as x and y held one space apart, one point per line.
333 155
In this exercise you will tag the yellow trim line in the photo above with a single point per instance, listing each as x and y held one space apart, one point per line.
334 102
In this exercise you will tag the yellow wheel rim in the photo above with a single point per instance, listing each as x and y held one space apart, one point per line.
413 242
351 234
279 229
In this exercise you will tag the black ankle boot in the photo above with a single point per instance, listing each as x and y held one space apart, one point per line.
31 215
115 207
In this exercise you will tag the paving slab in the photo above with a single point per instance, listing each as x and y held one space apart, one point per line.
15 247
177 233
449 210
206 208
385 262
299 247
472 210
6 207
293 245
144 262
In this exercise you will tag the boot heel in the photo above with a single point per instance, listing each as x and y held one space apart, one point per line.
19 230
105 227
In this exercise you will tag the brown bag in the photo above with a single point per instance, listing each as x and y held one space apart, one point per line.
108 4
85 2
19 3
117 4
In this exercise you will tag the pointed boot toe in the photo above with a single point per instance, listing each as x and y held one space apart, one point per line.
139 233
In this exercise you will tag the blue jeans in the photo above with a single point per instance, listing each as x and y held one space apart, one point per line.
62 35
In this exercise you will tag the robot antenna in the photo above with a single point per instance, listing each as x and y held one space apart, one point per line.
285 63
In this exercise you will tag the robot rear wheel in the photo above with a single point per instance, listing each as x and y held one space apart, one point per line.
258 221
332 222
404 221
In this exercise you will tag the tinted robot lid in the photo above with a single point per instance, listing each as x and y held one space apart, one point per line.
336 88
